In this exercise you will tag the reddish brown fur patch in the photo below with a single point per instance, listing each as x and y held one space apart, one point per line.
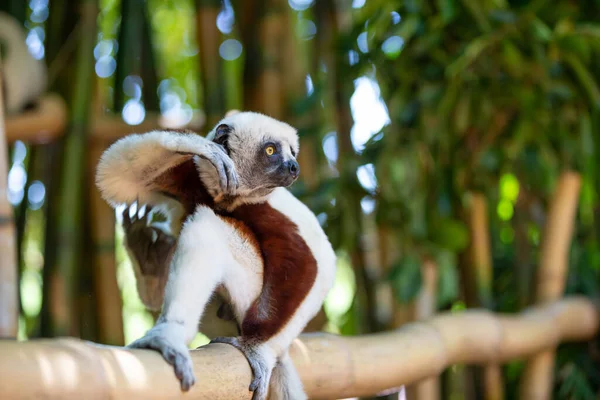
183 183
290 270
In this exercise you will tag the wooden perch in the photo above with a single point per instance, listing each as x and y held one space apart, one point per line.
330 366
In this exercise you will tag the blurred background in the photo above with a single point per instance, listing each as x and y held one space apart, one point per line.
434 136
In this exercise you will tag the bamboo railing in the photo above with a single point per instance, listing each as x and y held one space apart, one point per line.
330 366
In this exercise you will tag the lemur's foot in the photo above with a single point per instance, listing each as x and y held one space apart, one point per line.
174 351
260 368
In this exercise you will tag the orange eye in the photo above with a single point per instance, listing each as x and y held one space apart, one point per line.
270 150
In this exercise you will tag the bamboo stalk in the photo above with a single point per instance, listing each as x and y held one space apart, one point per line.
330 366
481 255
129 56
211 64
425 307
63 268
16 8
538 377
9 308
108 296
331 24
482 275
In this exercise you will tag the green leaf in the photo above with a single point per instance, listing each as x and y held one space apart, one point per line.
585 78
478 14
513 58
541 31
447 278
462 113
408 28
447 10
450 234
472 51
406 278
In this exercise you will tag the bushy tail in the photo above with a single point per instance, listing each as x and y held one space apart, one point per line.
285 383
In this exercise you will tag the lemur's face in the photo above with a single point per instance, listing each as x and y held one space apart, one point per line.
263 150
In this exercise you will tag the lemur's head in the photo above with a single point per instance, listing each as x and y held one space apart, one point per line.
263 149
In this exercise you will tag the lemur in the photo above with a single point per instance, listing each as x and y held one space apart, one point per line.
244 236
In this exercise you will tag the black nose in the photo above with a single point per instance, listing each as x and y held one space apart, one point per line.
294 168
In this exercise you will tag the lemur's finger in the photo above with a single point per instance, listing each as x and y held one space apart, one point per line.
142 212
222 176
126 217
232 180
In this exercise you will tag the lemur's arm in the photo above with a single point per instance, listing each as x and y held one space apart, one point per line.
150 245
149 167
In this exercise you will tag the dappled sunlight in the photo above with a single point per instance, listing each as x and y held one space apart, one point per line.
129 367
340 297
368 111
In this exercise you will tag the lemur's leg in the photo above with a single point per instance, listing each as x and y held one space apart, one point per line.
262 360
201 260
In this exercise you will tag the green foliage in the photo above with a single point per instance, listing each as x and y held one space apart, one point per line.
493 96
406 278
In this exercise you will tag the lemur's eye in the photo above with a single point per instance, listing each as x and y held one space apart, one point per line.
270 150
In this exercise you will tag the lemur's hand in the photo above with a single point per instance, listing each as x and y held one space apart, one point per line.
167 339
228 177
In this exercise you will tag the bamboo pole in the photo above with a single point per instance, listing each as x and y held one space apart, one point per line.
331 22
481 255
129 56
538 377
330 366
481 275
108 296
211 62
8 257
425 307
64 266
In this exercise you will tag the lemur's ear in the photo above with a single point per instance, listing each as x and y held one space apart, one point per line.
231 112
222 136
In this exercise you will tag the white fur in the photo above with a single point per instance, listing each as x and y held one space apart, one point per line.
261 127
209 253
285 383
24 76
